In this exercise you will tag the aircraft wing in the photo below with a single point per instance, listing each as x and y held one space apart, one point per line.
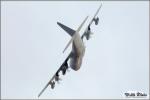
95 15
93 19
55 77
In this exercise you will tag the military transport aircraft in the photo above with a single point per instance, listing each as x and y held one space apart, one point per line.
78 49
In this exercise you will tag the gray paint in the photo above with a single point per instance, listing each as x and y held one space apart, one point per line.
116 58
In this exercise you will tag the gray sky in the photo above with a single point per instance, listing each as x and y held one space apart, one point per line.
116 58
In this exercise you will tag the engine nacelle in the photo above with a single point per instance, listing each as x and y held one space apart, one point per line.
64 68
53 85
57 77
88 34
96 20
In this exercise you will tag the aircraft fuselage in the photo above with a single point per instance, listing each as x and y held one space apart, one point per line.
78 50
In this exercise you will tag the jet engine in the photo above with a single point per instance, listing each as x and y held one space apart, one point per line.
53 85
64 68
96 20
88 33
57 77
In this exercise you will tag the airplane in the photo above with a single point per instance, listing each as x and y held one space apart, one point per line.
78 49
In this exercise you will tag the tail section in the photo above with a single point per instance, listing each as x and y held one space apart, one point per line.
71 32
79 28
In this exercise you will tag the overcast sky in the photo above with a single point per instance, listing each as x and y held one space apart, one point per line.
116 59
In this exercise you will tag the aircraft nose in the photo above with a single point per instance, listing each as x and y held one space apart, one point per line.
77 66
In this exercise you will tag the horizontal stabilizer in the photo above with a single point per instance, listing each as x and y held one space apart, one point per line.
67 29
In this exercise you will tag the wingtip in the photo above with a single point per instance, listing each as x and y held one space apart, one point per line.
58 23
39 95
100 5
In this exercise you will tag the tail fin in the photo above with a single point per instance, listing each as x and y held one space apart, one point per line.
75 34
67 29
